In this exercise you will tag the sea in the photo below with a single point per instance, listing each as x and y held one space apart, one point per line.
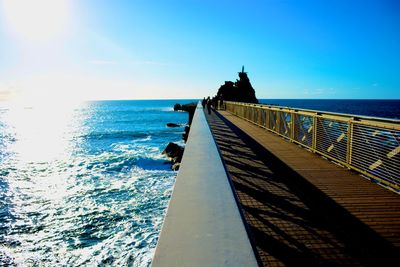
86 184
386 108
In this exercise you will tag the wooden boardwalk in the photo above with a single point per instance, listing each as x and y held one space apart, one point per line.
301 209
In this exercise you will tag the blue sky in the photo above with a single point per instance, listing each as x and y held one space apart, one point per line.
100 49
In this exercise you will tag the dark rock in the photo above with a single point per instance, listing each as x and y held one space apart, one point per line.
172 125
240 91
176 166
185 135
190 108
177 107
174 151
176 159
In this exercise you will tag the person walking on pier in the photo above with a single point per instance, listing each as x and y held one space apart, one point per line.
204 102
221 103
209 105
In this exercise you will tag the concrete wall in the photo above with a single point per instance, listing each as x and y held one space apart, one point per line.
203 226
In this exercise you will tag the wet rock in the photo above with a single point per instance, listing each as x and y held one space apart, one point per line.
176 166
185 135
172 125
174 152
190 108
177 107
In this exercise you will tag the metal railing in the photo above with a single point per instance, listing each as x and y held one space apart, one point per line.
368 145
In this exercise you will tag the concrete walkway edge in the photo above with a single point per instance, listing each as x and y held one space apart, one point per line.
203 225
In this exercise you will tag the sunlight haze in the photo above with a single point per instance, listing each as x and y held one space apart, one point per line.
79 50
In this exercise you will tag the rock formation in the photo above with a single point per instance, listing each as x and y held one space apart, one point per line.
240 91
175 153
190 108
172 125
185 135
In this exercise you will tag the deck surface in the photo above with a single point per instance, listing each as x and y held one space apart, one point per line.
302 209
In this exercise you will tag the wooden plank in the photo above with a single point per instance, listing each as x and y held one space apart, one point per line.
372 205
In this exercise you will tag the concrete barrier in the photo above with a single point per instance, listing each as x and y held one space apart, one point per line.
203 226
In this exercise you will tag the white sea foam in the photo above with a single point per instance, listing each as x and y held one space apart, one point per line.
97 198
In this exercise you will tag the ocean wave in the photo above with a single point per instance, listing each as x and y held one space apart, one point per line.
161 109
101 202
129 135
114 135
97 216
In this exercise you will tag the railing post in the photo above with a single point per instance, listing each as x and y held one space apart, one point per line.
292 121
265 117
278 122
349 142
256 116
314 139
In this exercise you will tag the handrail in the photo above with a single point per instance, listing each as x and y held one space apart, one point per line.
368 145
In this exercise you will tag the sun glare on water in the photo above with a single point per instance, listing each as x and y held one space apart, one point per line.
36 20
42 131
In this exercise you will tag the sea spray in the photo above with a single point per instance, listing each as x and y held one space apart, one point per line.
89 188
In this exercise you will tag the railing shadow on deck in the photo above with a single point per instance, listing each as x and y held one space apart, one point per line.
367 145
317 215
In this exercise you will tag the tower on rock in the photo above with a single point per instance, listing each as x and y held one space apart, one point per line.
240 91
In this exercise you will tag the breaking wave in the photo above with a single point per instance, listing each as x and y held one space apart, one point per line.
93 193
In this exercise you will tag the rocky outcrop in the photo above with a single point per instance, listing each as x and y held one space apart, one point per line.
239 91
174 152
177 107
172 125
190 108
185 135
176 166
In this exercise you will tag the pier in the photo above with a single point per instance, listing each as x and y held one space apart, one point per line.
312 188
